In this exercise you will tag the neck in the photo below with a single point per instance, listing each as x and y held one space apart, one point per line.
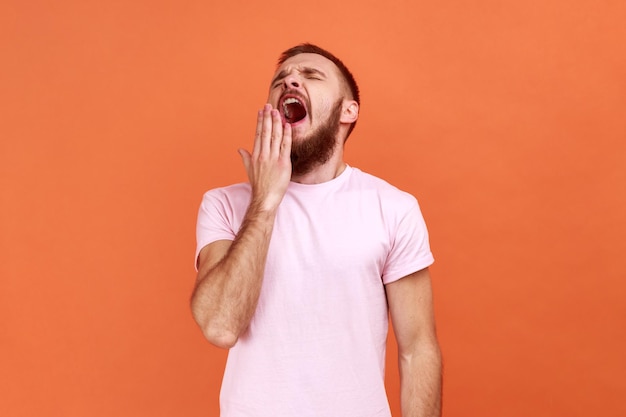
325 172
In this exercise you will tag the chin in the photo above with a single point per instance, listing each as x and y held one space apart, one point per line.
300 132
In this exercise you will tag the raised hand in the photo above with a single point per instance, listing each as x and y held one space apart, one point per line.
269 165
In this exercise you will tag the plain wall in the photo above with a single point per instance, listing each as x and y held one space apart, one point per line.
506 119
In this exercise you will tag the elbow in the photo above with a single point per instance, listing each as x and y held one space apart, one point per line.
217 335
427 350
213 329
220 338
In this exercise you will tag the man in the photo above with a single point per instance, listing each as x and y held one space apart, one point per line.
299 269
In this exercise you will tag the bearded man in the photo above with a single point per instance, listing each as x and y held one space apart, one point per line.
300 268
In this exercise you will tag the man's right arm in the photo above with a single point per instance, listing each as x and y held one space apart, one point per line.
230 274
229 280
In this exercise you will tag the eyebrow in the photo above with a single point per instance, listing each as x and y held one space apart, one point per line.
303 70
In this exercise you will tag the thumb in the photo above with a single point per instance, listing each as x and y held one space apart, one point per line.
245 157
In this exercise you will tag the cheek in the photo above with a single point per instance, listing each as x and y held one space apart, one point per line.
324 106
273 97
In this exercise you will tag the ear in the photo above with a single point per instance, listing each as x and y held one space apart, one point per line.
350 112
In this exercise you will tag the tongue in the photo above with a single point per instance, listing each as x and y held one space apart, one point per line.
294 112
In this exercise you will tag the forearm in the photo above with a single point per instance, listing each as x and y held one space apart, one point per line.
227 293
420 382
230 278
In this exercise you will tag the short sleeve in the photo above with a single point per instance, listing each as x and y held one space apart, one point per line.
410 249
218 218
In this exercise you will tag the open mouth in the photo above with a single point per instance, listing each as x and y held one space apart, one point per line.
293 110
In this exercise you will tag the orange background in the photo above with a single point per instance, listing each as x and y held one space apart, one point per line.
506 119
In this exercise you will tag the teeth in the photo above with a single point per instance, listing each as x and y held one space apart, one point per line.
292 100
287 108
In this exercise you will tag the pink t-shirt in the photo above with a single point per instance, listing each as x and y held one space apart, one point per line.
316 344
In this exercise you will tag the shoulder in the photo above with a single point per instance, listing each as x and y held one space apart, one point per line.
388 194
234 194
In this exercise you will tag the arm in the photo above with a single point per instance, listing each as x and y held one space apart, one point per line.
419 357
230 274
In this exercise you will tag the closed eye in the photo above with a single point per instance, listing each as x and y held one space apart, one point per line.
309 73
313 73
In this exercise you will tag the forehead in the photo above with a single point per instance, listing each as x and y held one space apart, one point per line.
314 61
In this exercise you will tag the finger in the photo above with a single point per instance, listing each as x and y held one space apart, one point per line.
245 157
257 136
277 132
266 131
285 147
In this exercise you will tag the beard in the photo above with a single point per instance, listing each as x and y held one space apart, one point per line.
316 148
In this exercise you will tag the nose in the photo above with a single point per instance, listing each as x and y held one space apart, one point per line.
291 81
